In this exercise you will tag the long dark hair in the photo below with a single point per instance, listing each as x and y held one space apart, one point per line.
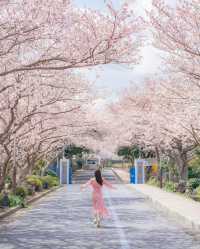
98 177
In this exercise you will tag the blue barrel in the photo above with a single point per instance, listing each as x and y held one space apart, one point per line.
132 175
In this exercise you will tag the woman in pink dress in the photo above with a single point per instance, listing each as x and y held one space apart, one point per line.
100 210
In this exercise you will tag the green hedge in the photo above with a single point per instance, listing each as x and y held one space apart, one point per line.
22 191
153 181
50 181
34 181
170 186
193 183
197 191
14 200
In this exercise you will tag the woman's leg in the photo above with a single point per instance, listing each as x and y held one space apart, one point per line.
98 220
95 218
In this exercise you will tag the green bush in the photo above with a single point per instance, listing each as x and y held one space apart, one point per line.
197 191
50 181
34 181
153 181
170 186
21 191
15 200
30 189
1 197
193 183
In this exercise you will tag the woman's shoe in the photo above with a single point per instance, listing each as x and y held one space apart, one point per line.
98 223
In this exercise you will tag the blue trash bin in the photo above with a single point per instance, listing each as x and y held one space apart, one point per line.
132 175
70 175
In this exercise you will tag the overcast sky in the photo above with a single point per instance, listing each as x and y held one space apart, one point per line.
116 77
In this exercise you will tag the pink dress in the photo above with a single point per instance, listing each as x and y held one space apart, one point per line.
97 196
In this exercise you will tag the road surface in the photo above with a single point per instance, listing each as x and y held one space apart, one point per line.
63 220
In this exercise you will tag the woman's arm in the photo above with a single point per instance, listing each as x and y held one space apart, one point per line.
108 184
87 184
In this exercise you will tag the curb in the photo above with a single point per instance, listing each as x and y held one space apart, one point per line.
168 211
13 210
9 212
119 177
35 198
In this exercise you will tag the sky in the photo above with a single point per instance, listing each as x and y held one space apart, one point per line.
113 79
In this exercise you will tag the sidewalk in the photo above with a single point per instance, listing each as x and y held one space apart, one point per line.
122 174
184 208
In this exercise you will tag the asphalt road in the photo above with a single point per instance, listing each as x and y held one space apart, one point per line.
63 219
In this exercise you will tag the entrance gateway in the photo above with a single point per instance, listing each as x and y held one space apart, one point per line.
65 171
139 170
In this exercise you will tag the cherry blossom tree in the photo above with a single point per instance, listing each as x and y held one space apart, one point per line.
157 116
40 112
46 35
163 114
176 32
43 104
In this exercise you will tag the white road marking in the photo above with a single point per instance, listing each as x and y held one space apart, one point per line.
123 240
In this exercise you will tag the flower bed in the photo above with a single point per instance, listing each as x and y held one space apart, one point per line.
32 186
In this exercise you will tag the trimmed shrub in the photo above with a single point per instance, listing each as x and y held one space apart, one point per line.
30 190
21 191
34 181
197 191
153 181
193 183
196 194
15 200
170 186
49 181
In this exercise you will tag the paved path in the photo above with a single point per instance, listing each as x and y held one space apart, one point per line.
62 220
187 209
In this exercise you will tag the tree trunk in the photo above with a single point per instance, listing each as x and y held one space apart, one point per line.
14 179
2 183
3 175
181 163
1 179
160 173
132 161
